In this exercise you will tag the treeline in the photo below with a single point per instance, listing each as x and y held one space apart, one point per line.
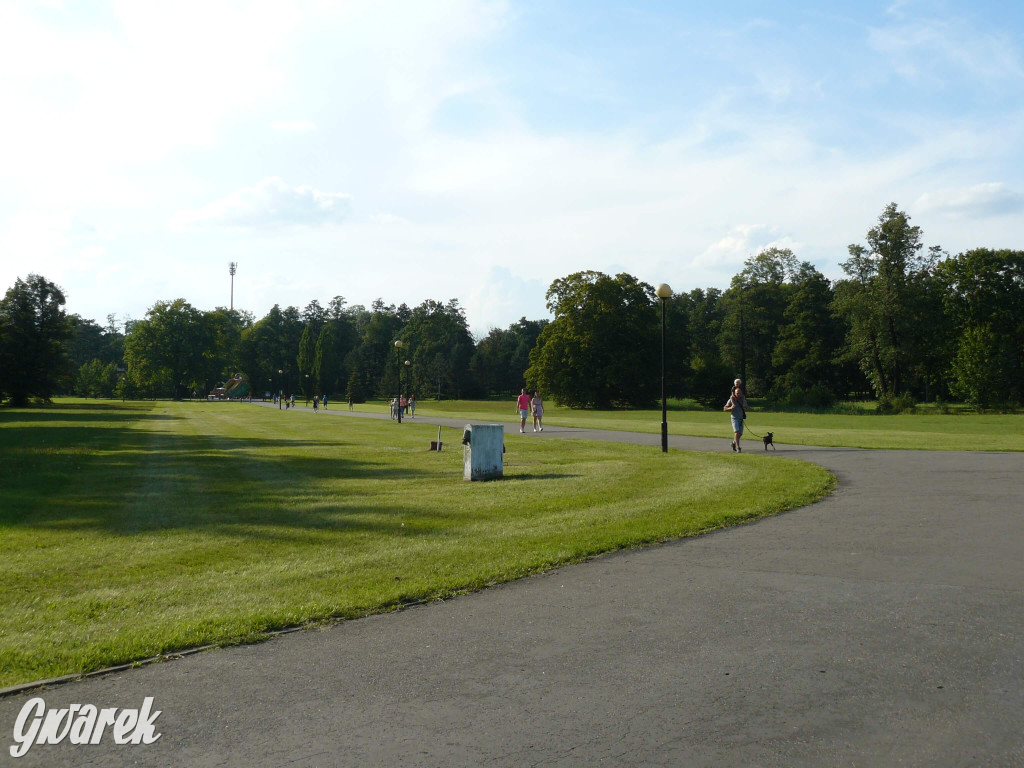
906 324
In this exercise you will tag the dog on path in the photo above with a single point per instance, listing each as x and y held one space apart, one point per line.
768 441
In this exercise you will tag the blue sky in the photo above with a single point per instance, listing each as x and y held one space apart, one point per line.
479 150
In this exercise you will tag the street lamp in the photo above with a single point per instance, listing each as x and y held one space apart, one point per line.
398 402
409 379
280 382
307 390
664 293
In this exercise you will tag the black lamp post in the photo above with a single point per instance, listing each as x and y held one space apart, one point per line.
409 379
398 402
280 383
664 293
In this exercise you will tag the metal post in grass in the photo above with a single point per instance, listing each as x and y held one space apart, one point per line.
664 293
398 402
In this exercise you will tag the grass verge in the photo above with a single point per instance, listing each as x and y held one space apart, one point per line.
132 530
925 431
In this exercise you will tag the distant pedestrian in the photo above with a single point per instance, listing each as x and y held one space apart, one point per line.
325 402
537 409
351 405
737 407
403 404
412 405
316 403
523 406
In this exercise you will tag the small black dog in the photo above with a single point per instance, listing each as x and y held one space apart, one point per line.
768 441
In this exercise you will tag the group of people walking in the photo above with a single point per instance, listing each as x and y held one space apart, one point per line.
403 404
530 406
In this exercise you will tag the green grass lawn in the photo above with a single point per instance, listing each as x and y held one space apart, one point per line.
131 530
919 431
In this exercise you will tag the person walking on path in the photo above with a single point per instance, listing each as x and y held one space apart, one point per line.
523 405
412 405
351 405
316 403
737 407
325 402
537 409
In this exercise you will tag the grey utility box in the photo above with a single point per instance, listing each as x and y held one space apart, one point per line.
482 456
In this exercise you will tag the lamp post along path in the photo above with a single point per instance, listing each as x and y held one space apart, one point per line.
397 402
664 293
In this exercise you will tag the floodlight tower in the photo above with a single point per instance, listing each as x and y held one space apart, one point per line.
231 268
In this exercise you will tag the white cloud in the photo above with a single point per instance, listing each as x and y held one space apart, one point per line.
270 204
293 126
932 50
503 295
978 201
388 220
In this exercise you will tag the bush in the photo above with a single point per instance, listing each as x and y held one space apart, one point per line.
889 404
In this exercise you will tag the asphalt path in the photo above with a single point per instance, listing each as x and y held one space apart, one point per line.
882 626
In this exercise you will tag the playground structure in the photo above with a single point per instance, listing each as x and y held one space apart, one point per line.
235 388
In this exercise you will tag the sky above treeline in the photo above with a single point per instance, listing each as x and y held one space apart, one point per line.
479 150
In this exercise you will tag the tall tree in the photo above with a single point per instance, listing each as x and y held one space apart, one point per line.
709 377
882 298
268 350
168 352
33 332
501 358
603 347
438 346
983 292
808 343
753 316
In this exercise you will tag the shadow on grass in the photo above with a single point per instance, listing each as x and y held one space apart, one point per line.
121 412
548 476
126 480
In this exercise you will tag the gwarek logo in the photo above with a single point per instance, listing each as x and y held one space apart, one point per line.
82 724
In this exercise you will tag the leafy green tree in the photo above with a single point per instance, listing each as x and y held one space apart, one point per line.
94 379
168 352
33 332
603 347
754 314
439 347
270 345
882 300
91 341
808 344
376 356
325 363
983 293
501 358
223 356
307 359
708 377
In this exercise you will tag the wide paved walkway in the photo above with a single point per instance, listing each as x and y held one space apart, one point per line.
883 626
